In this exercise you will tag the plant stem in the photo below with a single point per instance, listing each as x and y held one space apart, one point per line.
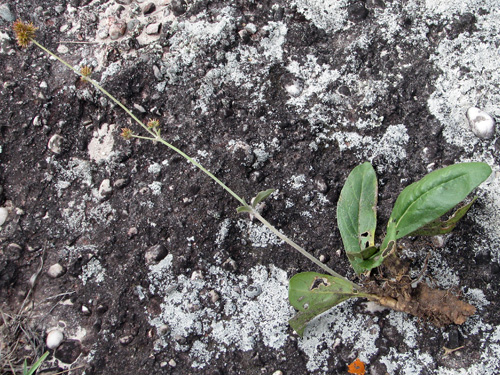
157 137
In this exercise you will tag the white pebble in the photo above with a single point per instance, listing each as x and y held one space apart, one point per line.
105 188
62 49
54 339
55 271
153 29
3 215
55 143
481 123
172 363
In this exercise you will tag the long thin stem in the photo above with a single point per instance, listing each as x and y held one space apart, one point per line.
156 137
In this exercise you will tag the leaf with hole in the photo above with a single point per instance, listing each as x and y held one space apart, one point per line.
357 215
313 293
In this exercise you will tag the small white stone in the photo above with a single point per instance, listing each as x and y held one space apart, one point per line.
62 49
105 188
197 275
481 123
214 296
172 363
55 143
54 339
153 28
278 372
55 271
3 215
251 28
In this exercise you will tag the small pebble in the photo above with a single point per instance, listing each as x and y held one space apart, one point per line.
251 28
153 28
3 215
55 271
125 340
54 339
55 144
178 7
86 310
62 49
149 8
481 123
197 275
117 30
172 363
105 189
278 372
132 232
140 108
214 296
155 254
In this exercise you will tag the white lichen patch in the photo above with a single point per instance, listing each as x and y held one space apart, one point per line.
93 271
245 319
102 142
257 234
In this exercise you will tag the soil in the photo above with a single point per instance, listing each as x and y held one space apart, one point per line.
159 274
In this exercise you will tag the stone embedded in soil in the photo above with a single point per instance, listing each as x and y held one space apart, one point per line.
178 7
55 271
149 8
54 339
105 189
117 30
4 213
55 143
125 340
62 49
155 254
481 123
153 28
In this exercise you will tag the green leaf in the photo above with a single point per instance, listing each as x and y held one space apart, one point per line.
434 195
35 366
442 227
313 293
357 215
261 196
243 209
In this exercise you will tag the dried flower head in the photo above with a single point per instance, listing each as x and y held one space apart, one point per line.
85 71
153 123
25 32
127 133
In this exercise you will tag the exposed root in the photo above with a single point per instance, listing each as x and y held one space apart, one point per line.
396 290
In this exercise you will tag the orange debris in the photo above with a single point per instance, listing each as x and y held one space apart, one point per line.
357 367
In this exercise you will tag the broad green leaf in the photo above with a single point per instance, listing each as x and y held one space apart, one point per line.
434 195
357 215
313 293
261 196
442 227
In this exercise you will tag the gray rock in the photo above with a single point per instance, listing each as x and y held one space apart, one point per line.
155 254
153 28
6 14
117 30
4 213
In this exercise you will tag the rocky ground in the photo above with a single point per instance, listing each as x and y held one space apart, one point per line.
142 262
